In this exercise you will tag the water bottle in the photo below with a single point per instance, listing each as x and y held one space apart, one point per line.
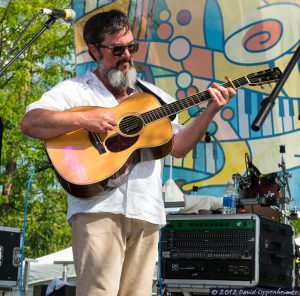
229 198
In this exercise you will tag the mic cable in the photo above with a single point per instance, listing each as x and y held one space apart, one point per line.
43 168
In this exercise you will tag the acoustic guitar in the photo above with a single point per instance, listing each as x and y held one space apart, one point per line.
89 164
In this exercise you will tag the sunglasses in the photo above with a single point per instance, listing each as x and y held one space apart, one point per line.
118 50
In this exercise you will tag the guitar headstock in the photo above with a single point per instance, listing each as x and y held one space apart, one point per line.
265 76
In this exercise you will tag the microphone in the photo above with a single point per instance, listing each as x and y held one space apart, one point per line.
68 15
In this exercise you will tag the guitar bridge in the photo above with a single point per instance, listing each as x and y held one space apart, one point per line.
96 142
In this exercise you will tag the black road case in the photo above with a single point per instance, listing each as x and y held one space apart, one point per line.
10 255
227 250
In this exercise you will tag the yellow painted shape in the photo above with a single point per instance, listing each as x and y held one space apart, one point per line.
234 163
168 84
224 68
265 152
159 55
188 161
177 162
291 86
234 12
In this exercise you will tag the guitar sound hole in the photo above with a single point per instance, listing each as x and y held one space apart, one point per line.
118 143
131 125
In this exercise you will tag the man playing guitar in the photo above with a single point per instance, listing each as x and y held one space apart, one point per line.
114 234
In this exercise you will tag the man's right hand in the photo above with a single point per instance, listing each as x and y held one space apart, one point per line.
97 120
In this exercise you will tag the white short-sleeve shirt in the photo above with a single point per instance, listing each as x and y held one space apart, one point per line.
140 197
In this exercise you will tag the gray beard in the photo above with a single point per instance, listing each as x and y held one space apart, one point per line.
121 81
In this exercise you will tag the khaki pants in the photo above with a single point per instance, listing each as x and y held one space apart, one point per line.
113 255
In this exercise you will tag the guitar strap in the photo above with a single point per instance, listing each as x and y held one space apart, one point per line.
149 91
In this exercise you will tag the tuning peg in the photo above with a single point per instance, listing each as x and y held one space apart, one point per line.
270 84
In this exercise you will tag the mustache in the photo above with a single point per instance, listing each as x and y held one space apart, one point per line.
122 61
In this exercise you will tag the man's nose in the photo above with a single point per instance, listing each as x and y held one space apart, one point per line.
126 52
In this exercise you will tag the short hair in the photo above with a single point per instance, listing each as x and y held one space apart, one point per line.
109 22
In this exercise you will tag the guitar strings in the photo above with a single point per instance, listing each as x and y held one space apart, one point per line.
175 107
186 103
163 111
170 109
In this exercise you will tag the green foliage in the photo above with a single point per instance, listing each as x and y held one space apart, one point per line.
47 61
296 224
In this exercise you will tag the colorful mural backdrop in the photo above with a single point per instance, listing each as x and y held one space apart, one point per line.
188 44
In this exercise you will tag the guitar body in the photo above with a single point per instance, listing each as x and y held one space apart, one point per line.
89 164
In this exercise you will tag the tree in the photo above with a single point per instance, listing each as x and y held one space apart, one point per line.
47 61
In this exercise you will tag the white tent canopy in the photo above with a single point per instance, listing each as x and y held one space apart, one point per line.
51 266
62 255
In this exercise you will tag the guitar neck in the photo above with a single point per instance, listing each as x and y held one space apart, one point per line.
186 103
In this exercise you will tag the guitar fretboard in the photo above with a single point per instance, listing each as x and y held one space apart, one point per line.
186 103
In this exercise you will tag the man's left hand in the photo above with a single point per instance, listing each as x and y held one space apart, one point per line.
220 97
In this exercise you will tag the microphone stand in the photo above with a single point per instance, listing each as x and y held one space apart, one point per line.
285 189
48 24
268 103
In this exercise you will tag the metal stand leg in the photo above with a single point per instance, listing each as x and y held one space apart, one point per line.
285 190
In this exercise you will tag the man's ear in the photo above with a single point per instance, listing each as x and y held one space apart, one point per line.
94 52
